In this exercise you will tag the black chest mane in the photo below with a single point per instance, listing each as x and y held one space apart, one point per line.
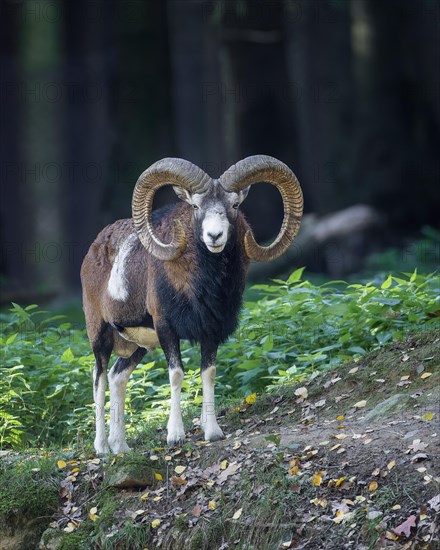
210 313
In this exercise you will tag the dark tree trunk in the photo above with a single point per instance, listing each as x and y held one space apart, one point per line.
319 66
14 201
89 42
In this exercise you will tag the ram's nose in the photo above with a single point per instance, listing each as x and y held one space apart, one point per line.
215 236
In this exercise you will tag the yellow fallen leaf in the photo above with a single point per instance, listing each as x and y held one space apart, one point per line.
238 513
250 399
360 498
93 513
223 464
340 417
396 507
155 523
179 469
405 377
95 461
348 501
212 505
237 445
74 471
426 375
391 464
353 370
339 516
373 486
158 476
375 472
317 479
339 482
335 447
391 536
293 470
144 496
167 458
154 457
360 404
428 416
340 436
93 510
422 516
156 499
61 464
324 443
319 502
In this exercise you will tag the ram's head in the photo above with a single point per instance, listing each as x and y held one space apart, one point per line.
215 204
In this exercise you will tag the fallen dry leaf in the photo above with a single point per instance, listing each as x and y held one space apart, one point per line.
405 527
434 503
391 464
237 514
179 469
426 375
302 392
230 470
250 399
197 510
317 478
360 404
417 445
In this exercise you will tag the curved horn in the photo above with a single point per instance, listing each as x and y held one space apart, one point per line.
259 168
168 171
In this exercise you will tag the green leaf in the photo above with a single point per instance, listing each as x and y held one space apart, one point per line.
387 283
296 276
68 356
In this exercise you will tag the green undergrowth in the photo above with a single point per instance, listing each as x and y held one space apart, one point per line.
275 507
28 495
293 329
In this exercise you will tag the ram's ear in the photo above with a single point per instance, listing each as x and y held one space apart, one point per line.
182 193
243 194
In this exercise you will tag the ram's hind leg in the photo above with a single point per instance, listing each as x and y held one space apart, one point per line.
102 349
118 378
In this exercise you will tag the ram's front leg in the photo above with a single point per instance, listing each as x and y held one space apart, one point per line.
208 419
171 347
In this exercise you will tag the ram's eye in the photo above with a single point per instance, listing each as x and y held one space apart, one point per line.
195 206
236 205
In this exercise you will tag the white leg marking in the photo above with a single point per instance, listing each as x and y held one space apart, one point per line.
118 386
176 431
101 444
208 420
117 285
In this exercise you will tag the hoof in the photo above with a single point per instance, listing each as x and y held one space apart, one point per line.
101 447
175 440
215 434
118 447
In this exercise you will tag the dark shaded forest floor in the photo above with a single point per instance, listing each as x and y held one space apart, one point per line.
347 459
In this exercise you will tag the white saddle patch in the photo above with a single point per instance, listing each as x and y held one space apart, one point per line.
142 336
117 284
